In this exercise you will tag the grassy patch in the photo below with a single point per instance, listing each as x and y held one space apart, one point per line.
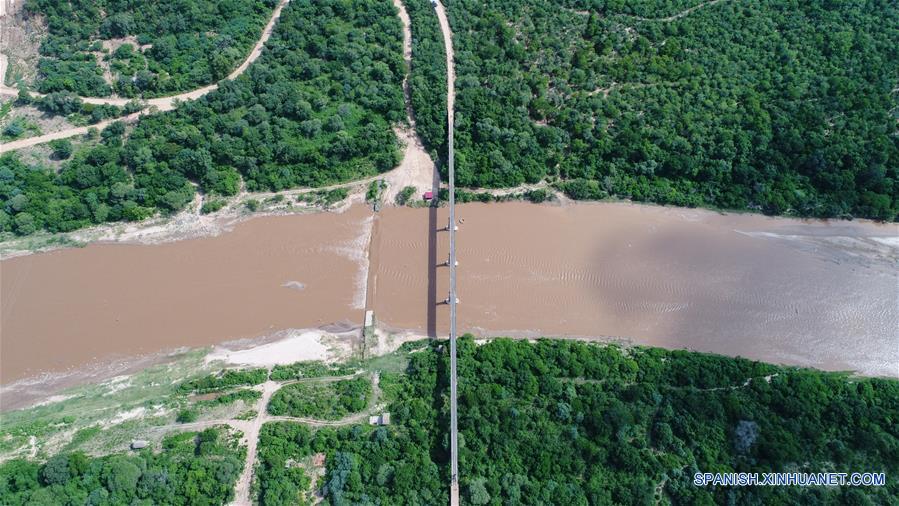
224 379
149 397
211 206
17 128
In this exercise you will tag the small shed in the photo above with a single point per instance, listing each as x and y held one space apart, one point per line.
138 444
382 419
428 195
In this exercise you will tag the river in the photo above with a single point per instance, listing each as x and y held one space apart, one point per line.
812 293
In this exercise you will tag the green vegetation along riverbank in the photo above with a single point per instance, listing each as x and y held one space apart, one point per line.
326 401
782 107
542 422
566 422
315 109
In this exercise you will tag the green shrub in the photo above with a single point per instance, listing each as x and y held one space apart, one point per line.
62 148
301 370
187 416
211 206
403 196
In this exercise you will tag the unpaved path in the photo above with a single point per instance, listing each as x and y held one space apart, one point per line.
450 69
251 437
3 64
683 13
416 169
251 428
153 104
63 134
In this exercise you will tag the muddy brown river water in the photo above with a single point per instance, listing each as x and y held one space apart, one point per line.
71 307
785 291
809 293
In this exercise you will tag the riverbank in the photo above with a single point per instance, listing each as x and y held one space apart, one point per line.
192 223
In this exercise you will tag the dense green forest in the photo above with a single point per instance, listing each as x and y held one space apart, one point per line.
315 109
427 80
785 107
180 44
563 422
192 469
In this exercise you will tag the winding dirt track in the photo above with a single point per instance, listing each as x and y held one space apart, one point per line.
151 105
681 14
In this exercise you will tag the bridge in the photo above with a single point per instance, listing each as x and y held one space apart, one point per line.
451 226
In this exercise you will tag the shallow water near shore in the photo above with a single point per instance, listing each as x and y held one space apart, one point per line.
788 291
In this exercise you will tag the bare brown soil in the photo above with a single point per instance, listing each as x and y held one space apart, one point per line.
19 42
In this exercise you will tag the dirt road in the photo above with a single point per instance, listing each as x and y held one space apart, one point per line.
251 428
251 438
3 64
450 69
160 104
416 169
681 14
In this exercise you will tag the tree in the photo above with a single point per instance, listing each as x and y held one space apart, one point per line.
121 476
24 224
62 148
403 196
14 129
625 108
56 470
477 492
